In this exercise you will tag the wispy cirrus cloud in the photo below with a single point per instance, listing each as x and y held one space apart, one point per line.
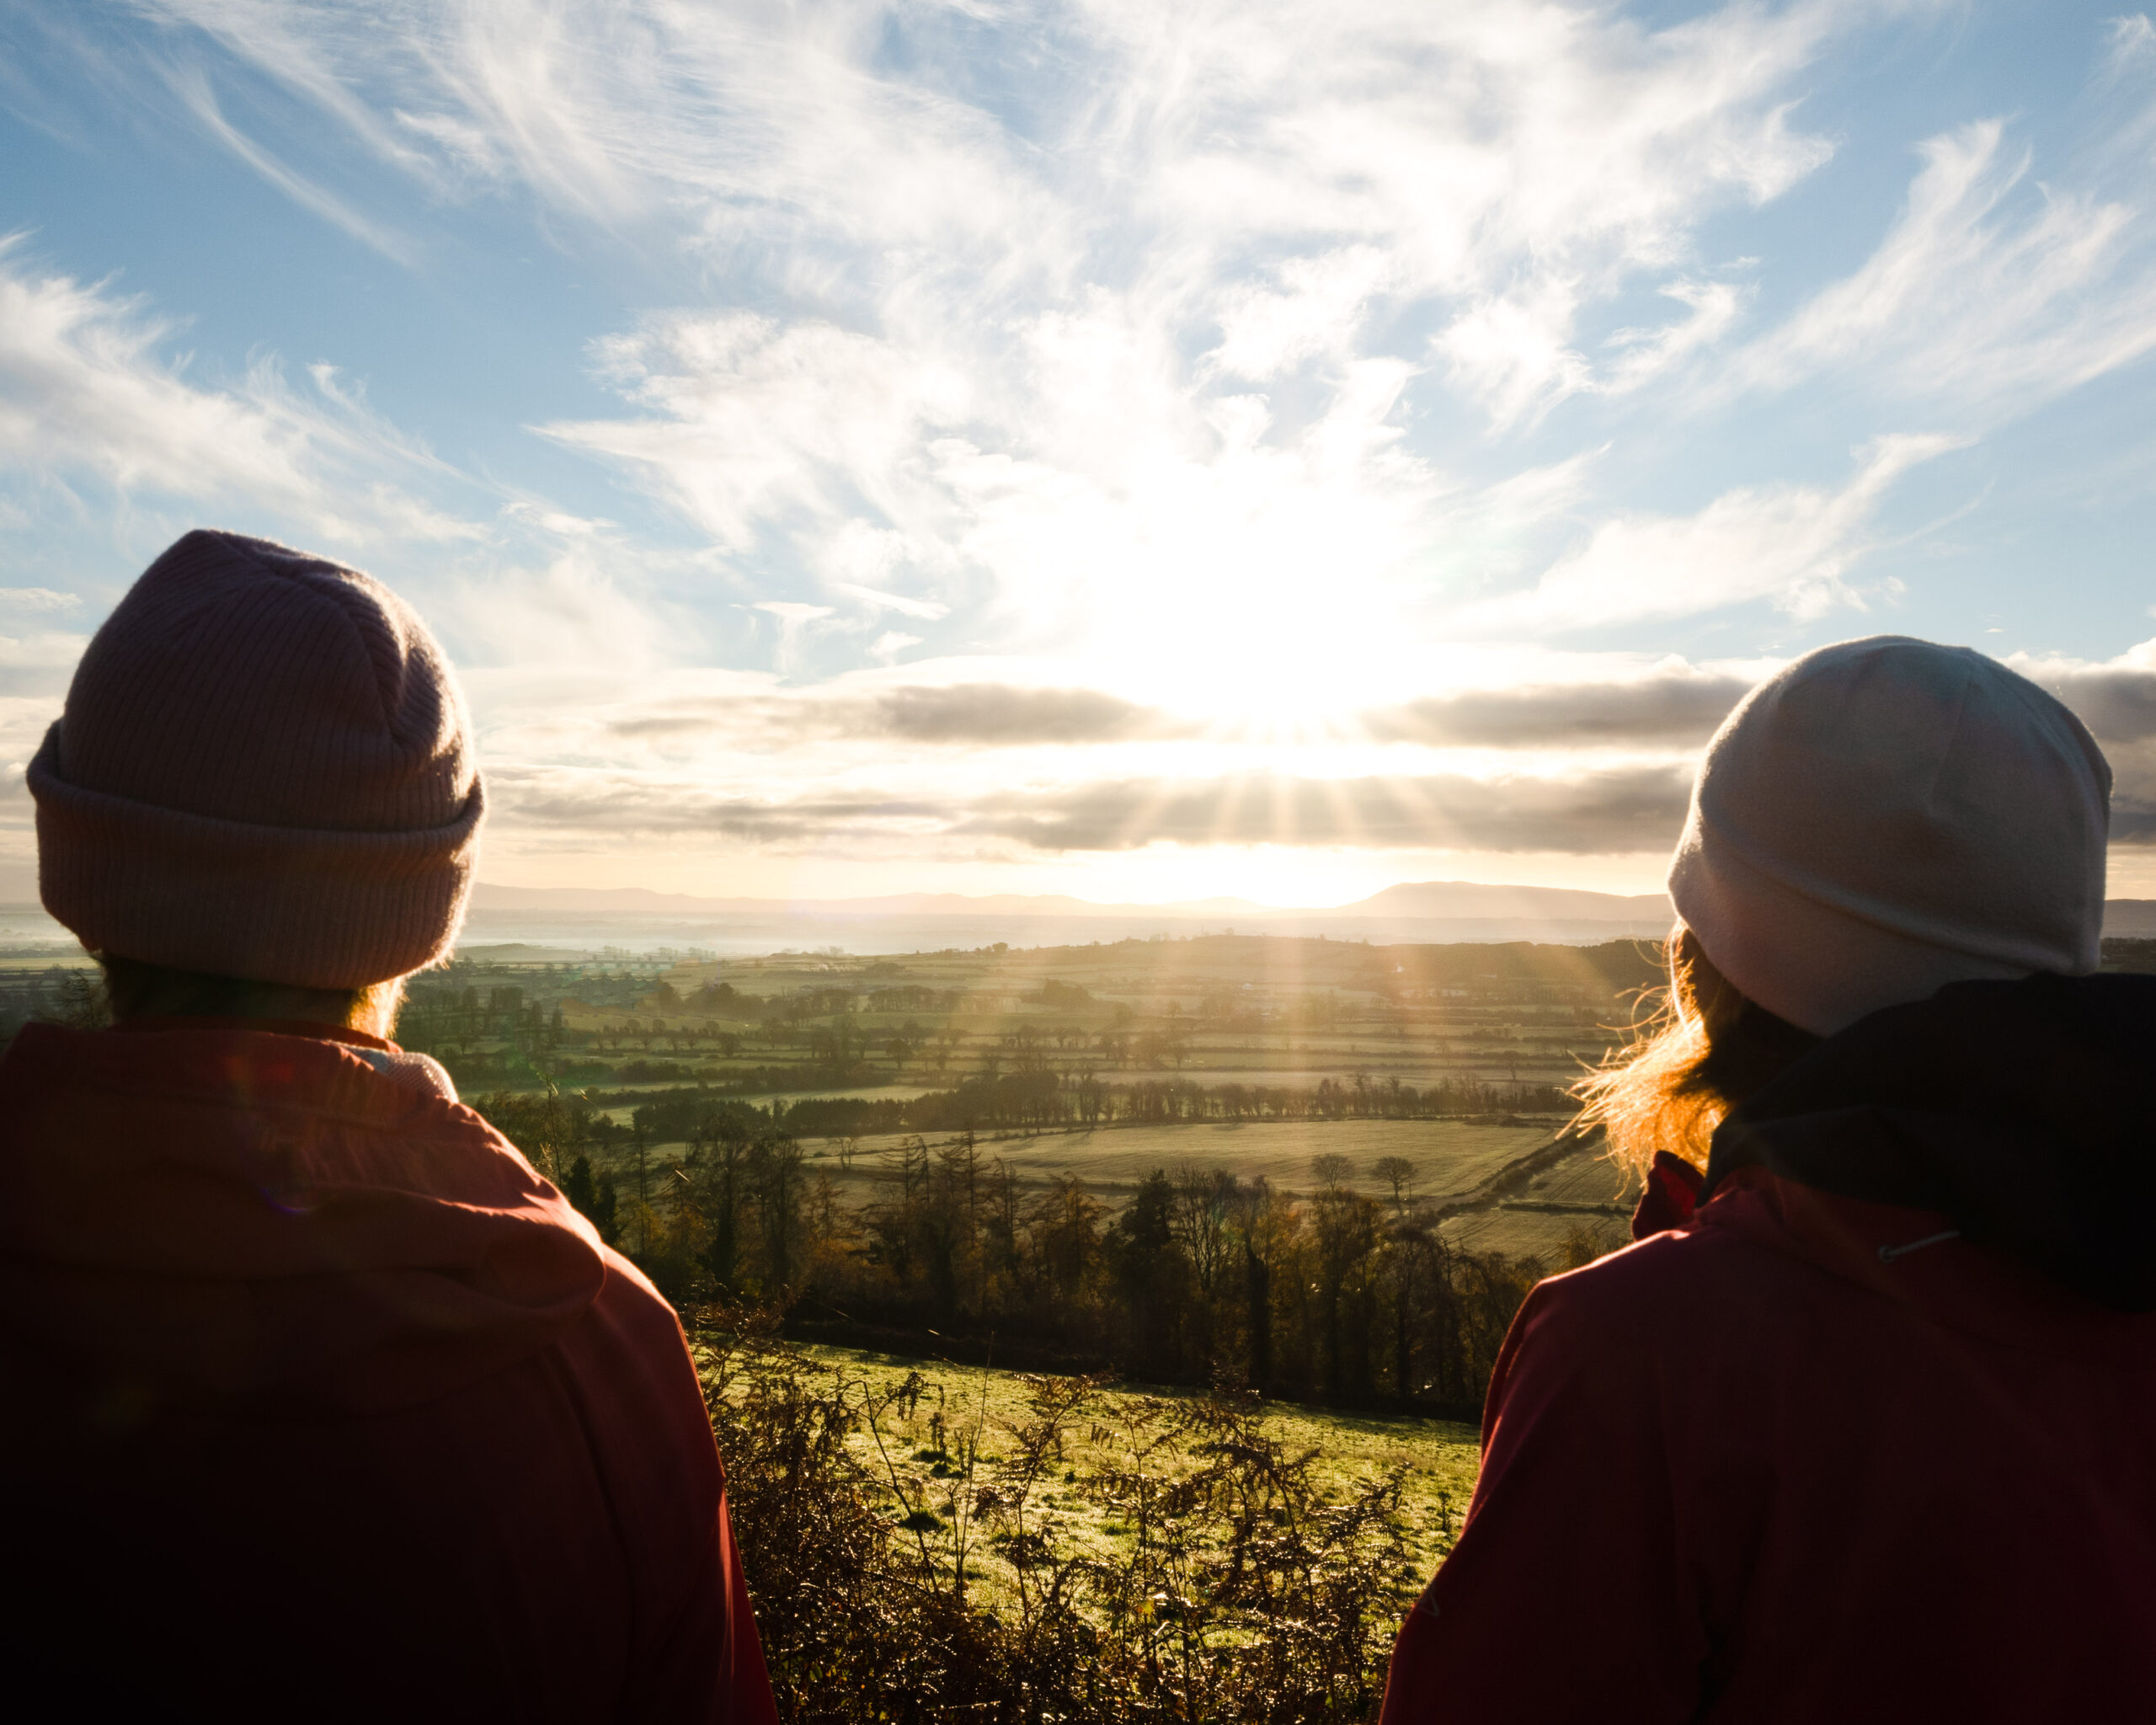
91 391
749 421
1992 293
925 610
1155 321
1793 545
194 90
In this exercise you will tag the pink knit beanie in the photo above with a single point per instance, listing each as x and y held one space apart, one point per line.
1883 817
264 769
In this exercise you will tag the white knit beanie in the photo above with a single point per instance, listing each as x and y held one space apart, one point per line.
1885 816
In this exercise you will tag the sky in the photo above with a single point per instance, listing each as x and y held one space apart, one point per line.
1275 449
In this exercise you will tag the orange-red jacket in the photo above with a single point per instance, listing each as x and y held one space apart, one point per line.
320 1404
1814 1456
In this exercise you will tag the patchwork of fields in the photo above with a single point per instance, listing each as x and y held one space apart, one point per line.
1452 1162
1278 1011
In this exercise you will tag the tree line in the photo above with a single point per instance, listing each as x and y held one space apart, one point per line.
1331 1294
1056 1100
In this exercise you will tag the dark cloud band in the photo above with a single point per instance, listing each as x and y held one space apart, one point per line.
990 715
1659 710
1679 710
1634 809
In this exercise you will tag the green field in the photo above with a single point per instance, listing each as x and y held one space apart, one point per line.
1451 1157
1536 1234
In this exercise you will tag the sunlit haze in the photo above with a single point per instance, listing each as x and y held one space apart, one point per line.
1138 451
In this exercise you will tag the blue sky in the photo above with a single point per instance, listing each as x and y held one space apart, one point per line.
1275 449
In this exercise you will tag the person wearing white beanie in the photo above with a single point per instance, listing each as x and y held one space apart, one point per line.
1885 817
1897 1140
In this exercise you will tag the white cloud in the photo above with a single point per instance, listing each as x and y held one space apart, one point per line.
1790 545
40 663
87 393
1507 163
749 422
582 607
1991 293
1644 355
1316 312
2132 43
1511 352
1023 369
795 621
194 90
1097 494
36 599
927 610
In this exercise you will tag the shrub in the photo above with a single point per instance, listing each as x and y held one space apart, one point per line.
886 1588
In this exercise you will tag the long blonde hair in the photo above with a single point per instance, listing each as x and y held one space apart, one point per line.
1701 1048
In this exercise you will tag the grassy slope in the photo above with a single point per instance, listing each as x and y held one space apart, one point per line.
1438 1457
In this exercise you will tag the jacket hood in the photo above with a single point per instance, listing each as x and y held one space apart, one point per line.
212 1214
2024 1111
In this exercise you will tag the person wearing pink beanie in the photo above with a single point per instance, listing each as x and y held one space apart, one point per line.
1859 1427
321 1403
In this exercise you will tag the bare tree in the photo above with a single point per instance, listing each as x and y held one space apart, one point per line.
1399 1173
775 1175
1204 1203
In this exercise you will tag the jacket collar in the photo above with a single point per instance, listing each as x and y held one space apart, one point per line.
2023 1112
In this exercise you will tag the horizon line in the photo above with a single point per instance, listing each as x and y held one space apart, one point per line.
1225 904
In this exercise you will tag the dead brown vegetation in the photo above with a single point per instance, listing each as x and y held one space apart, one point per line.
1243 1589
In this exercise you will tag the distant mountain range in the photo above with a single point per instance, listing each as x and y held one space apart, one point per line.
1451 900
1432 909
1433 900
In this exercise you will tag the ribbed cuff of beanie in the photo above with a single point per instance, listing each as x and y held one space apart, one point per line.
1821 964
306 908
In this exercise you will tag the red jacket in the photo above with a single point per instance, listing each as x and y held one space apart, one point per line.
319 1403
1760 1469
